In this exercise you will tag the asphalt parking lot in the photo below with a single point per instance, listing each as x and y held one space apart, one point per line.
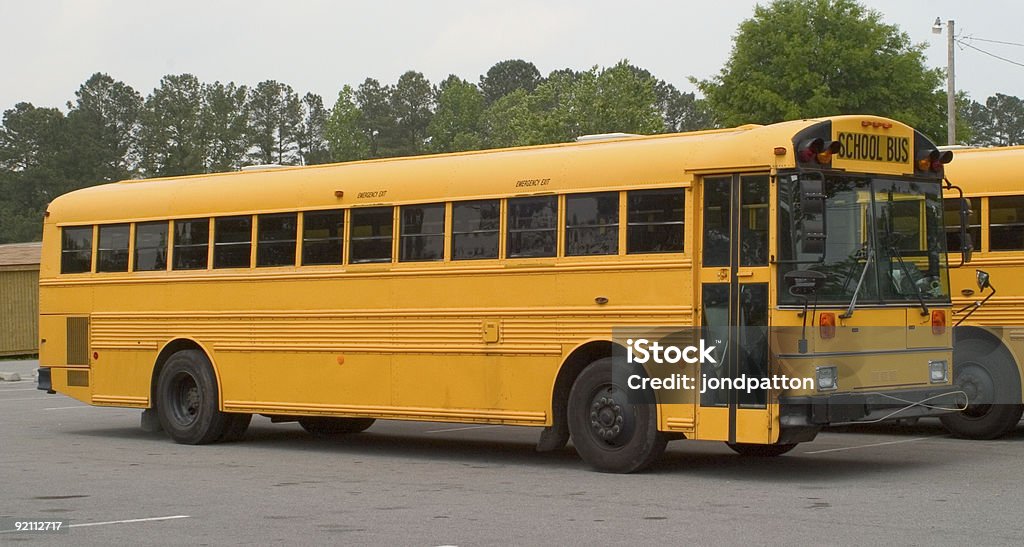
451 484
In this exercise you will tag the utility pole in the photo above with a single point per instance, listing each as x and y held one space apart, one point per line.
950 78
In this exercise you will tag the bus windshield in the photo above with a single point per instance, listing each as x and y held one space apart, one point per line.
886 231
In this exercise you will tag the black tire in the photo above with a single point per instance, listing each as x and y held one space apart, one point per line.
987 373
761 450
610 433
238 424
187 399
329 427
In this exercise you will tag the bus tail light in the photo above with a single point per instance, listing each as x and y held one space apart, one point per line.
818 150
827 326
933 160
938 321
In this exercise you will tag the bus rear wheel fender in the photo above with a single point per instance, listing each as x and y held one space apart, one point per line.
187 399
986 372
611 432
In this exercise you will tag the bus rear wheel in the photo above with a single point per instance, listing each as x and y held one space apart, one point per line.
187 400
761 450
612 433
987 374
328 427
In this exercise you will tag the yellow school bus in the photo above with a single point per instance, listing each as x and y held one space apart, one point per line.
516 287
989 341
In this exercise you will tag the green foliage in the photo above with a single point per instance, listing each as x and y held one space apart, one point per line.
506 77
457 121
411 102
102 130
312 138
224 126
274 114
998 122
808 58
344 132
171 139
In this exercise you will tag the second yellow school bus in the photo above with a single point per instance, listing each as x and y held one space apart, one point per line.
990 341
488 287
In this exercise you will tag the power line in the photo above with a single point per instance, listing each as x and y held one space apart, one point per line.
993 41
990 54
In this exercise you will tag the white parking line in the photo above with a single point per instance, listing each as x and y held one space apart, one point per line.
869 445
69 407
43 398
462 428
129 521
4 390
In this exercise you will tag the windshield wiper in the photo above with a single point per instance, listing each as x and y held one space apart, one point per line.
860 283
906 271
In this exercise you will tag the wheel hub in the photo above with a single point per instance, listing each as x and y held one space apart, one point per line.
610 418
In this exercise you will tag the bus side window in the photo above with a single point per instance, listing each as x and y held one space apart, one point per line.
191 241
151 246
475 226
76 249
1006 223
592 224
113 248
232 242
275 239
422 233
532 226
951 212
370 239
655 221
322 237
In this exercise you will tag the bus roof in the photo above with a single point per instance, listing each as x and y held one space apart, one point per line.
988 171
642 160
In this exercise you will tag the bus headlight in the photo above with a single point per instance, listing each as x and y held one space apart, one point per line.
938 371
828 378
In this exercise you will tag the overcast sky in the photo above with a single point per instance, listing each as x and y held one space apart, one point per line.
50 47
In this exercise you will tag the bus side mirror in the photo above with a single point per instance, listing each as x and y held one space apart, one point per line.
983 280
966 242
812 207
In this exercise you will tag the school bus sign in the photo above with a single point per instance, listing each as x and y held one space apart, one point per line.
885 146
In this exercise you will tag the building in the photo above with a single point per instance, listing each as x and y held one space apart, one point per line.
19 298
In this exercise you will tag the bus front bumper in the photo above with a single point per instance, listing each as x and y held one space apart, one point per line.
837 408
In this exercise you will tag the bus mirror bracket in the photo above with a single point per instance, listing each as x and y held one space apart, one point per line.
984 282
802 284
966 241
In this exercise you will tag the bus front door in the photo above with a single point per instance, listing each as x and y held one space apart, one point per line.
733 313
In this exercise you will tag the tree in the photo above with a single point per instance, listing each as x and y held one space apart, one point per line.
103 129
807 58
33 160
457 122
378 120
1000 121
224 126
344 131
411 101
171 139
511 122
625 101
274 115
507 76
311 139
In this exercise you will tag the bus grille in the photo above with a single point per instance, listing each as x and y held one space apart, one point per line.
78 340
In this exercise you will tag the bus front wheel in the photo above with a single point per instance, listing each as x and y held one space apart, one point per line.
187 400
986 373
327 427
612 433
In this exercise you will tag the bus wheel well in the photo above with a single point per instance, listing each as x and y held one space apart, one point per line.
555 437
170 349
